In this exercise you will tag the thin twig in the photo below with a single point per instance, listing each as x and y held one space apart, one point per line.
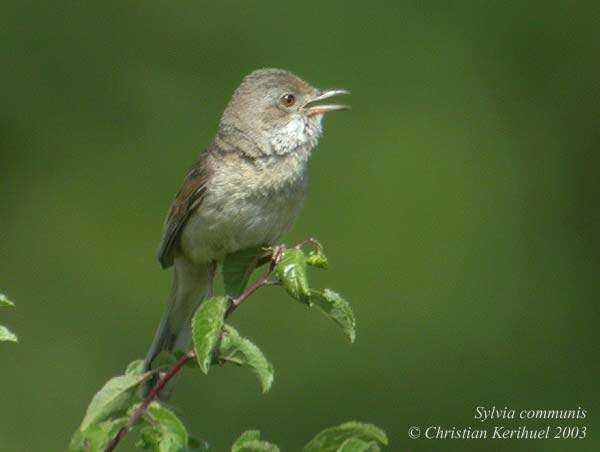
260 282
139 412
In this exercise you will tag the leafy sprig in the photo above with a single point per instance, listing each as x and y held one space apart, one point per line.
115 409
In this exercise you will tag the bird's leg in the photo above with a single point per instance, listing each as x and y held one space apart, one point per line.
278 251
275 255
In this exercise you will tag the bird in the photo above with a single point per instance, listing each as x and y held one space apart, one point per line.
244 190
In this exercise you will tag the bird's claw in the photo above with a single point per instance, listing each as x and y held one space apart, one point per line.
278 252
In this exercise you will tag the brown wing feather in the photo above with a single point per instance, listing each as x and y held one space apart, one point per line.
188 199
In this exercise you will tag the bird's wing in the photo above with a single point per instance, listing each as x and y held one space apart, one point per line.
187 200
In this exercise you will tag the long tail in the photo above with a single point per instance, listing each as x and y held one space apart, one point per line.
191 285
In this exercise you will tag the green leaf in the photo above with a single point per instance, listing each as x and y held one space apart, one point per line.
239 350
162 430
334 306
291 271
7 335
135 367
97 437
113 397
250 441
247 436
316 258
358 445
330 439
5 301
206 327
258 446
77 442
149 438
238 267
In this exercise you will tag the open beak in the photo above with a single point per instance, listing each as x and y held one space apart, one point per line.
312 108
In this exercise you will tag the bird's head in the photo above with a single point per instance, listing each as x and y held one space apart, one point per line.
279 110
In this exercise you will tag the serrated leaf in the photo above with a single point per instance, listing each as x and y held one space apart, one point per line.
206 327
316 258
7 335
358 445
97 436
114 396
162 431
239 350
247 436
291 271
4 301
238 267
337 308
258 446
330 439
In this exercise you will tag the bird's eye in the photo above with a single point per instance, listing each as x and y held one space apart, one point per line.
288 100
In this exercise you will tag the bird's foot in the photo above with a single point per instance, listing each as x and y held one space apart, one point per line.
277 254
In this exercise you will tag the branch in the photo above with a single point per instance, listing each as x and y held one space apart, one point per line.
139 412
164 378
260 282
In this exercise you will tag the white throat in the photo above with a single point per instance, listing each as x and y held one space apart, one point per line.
300 134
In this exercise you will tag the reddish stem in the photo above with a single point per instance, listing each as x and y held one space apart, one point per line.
260 282
139 412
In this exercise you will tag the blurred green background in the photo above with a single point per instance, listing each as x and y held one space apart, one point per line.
458 203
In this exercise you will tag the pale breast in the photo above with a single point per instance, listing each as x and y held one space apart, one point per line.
248 203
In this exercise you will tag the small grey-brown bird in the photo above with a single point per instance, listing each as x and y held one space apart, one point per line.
244 190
